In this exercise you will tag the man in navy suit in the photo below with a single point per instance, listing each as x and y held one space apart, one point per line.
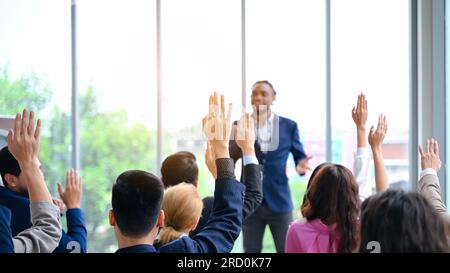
136 214
277 137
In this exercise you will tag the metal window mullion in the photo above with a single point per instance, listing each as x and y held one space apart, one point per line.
328 128
413 97
159 141
75 119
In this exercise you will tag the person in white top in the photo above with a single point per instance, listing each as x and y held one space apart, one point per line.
361 166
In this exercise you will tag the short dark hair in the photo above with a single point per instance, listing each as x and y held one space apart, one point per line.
179 167
136 201
8 164
265 82
401 222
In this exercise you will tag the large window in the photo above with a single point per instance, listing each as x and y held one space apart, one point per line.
35 74
370 54
286 46
117 86
201 53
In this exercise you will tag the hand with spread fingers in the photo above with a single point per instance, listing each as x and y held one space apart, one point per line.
23 143
71 196
244 134
429 158
24 139
217 126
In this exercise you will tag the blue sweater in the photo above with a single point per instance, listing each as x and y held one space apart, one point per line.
21 220
6 244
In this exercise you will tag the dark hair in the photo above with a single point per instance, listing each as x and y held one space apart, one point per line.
136 201
313 174
179 167
264 82
401 222
8 164
332 196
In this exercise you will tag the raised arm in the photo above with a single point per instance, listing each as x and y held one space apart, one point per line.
244 133
376 140
359 116
76 230
23 142
429 182
210 160
361 165
225 222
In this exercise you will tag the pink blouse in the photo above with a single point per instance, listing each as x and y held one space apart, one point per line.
311 237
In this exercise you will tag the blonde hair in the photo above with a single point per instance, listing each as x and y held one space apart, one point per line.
182 208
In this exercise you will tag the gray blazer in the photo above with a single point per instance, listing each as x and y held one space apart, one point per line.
428 186
44 235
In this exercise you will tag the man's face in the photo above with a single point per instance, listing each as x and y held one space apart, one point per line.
21 185
262 95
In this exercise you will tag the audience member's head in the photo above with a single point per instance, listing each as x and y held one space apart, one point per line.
313 174
332 197
182 208
263 96
179 167
136 204
10 172
401 222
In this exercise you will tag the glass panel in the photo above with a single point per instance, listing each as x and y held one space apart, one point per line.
35 73
372 56
201 54
286 46
117 86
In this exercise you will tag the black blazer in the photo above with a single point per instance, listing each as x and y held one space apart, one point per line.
252 179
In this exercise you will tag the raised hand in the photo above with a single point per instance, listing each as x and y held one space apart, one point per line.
376 137
71 196
430 157
217 126
244 133
359 115
24 139
23 142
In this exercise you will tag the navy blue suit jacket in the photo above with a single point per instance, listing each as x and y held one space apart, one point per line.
285 140
21 220
6 244
138 249
220 232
